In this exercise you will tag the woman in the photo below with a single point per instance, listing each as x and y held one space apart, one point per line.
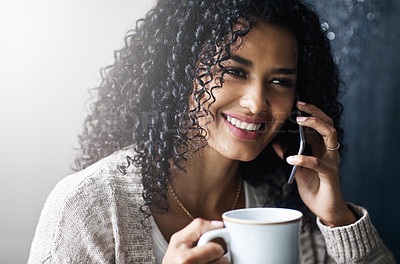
200 105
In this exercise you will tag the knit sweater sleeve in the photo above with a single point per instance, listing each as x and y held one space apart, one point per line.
76 225
356 243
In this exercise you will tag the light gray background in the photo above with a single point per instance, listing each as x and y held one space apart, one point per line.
50 55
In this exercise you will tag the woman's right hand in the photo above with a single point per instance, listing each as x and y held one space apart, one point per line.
182 246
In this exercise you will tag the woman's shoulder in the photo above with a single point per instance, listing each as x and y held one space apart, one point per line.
88 208
100 185
100 189
101 176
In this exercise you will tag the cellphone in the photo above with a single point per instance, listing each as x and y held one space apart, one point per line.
302 145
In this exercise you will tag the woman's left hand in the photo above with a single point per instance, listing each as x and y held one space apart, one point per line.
318 176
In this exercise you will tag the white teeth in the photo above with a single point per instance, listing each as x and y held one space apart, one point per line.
243 125
250 127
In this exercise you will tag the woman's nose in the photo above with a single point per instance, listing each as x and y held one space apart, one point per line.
254 98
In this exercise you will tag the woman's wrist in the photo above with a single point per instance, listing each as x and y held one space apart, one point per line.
343 218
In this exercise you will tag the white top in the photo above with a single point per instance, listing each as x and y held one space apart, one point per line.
159 243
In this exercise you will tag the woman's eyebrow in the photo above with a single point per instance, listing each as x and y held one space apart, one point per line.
285 71
241 60
249 63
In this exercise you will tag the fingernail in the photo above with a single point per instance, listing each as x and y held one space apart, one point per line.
301 103
290 159
301 118
217 223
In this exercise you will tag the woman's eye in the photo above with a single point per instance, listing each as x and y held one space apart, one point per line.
236 72
283 82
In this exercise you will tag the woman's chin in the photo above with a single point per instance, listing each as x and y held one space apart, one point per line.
243 156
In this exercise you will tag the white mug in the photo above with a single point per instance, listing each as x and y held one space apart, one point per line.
259 235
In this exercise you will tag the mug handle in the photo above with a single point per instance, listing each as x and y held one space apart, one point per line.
217 233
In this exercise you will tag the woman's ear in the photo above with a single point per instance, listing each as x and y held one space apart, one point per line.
278 149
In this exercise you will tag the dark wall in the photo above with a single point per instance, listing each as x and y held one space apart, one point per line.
365 35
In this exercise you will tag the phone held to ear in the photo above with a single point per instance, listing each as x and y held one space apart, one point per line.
301 149
302 146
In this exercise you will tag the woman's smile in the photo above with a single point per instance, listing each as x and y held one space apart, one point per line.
244 127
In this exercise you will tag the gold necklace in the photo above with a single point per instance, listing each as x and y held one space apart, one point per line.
239 189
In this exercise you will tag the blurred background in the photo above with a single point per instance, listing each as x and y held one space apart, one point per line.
365 36
51 53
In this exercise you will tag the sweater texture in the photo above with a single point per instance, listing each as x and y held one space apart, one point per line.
94 216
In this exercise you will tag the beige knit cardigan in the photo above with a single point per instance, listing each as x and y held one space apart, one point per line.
94 216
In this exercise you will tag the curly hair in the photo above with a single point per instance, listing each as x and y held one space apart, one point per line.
143 97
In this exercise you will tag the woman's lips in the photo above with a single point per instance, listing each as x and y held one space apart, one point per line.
244 127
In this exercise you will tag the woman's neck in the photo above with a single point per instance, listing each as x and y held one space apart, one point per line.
209 185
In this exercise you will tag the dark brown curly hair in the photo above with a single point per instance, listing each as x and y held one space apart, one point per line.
143 98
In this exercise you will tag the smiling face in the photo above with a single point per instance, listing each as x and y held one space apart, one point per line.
257 94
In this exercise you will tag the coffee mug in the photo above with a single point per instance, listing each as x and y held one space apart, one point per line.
259 235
